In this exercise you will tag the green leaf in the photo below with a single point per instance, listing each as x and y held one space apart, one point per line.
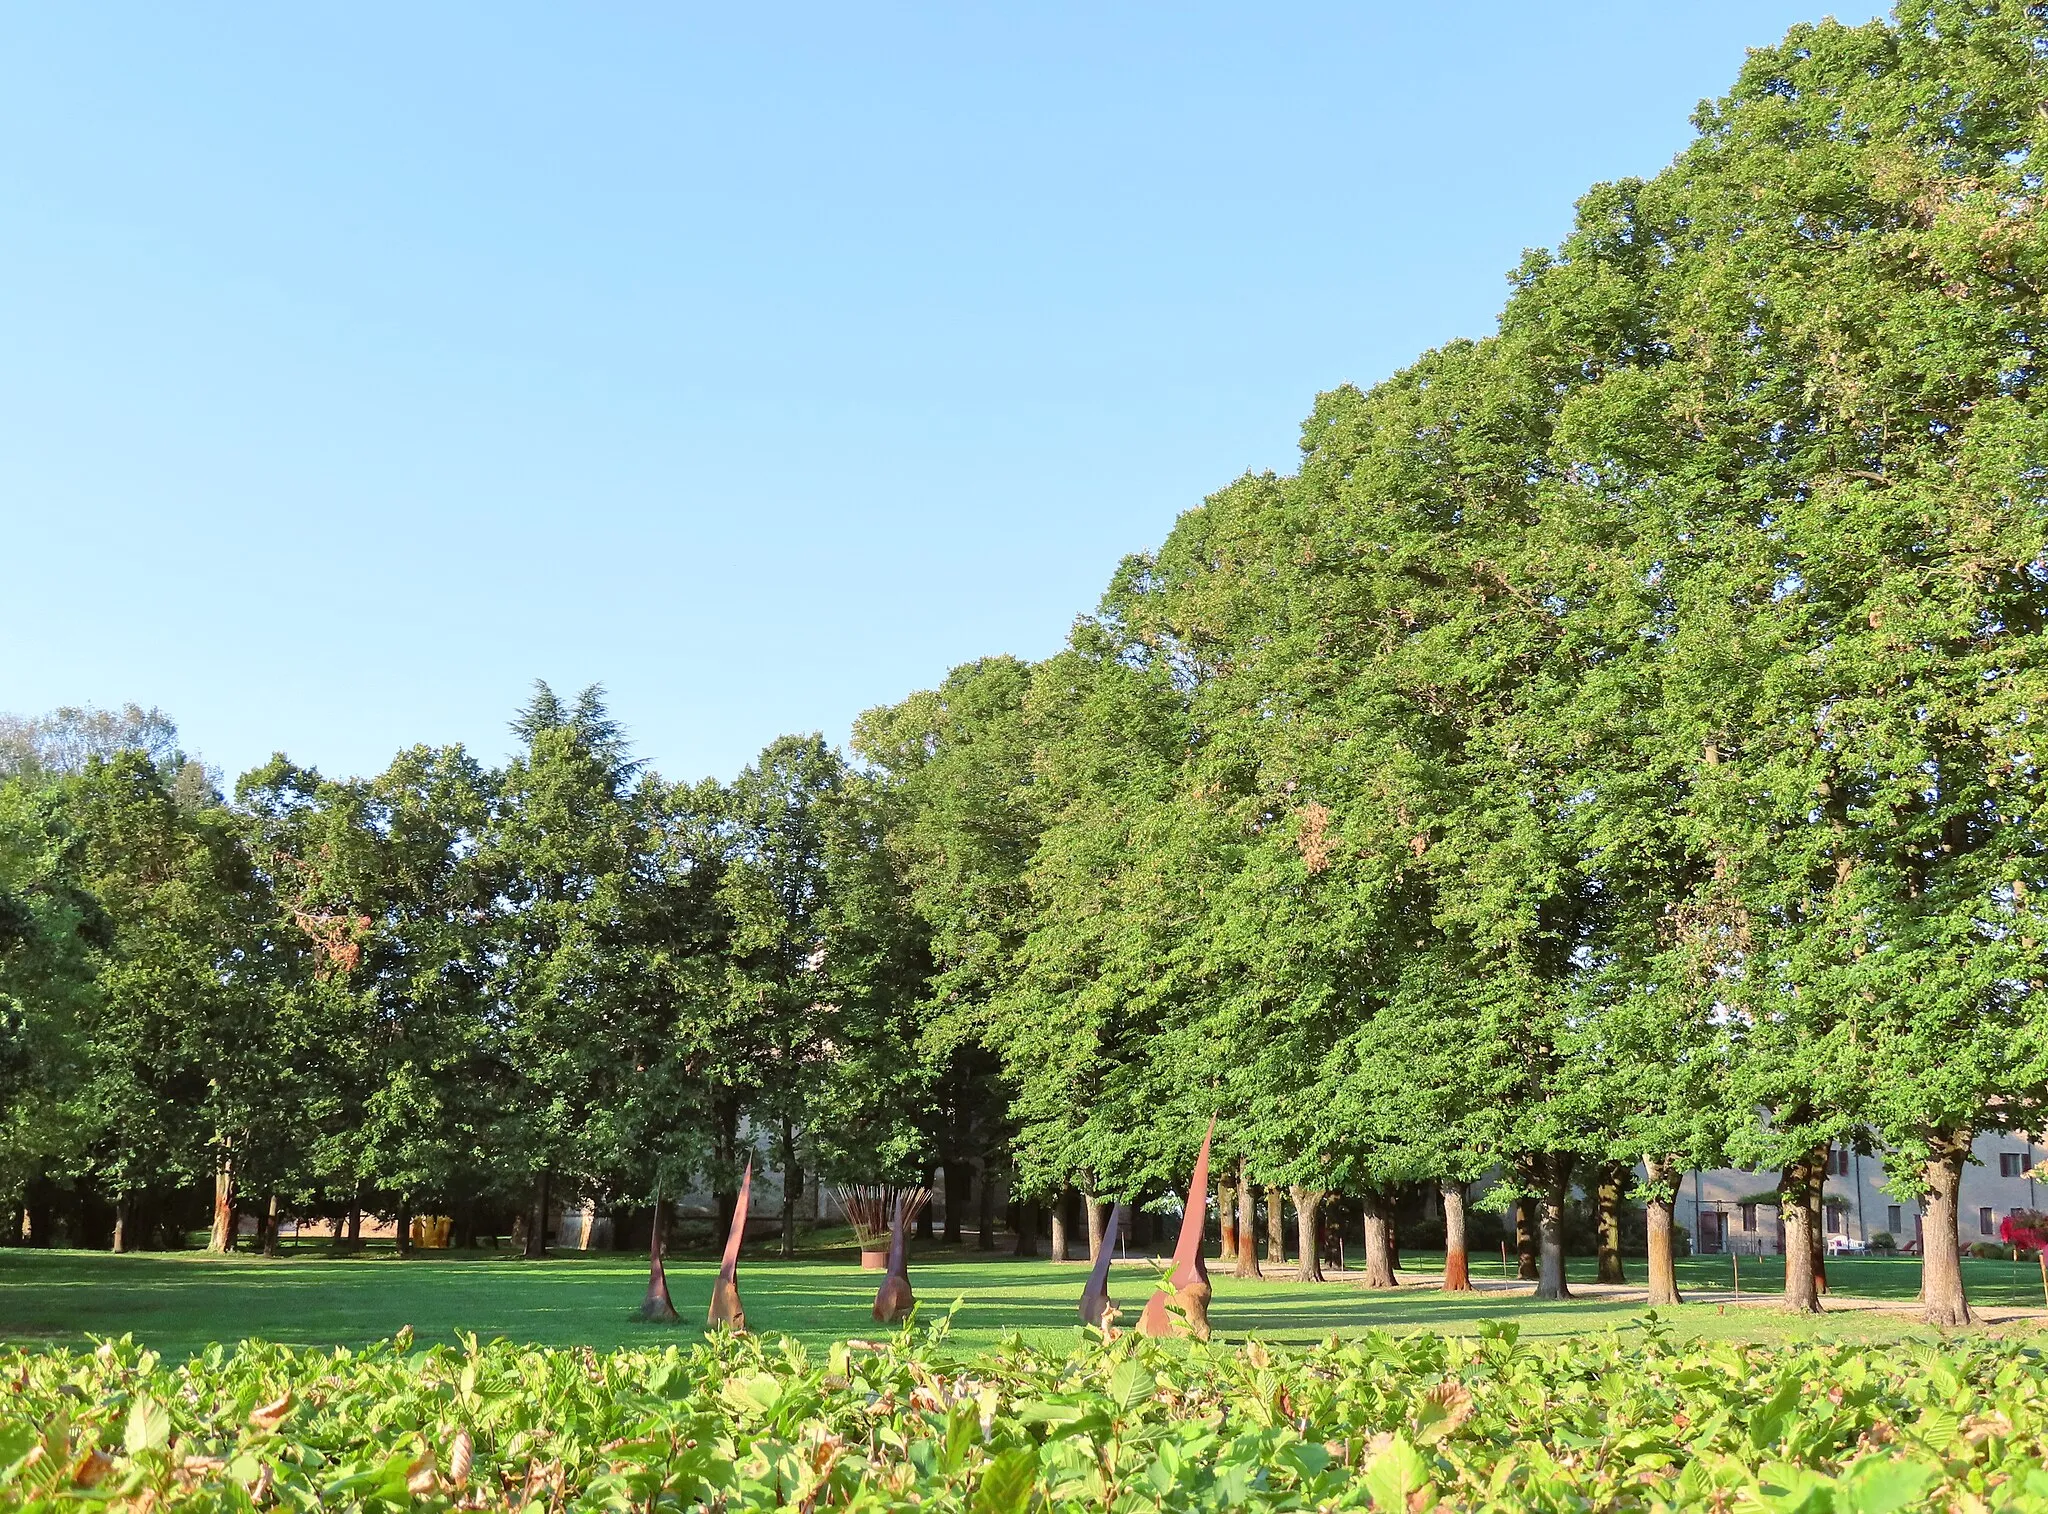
1937 1429
1787 1489
755 1394
963 1429
1883 1484
1005 1488
1130 1385
1166 1468
1037 1412
1768 1422
1396 1472
149 1426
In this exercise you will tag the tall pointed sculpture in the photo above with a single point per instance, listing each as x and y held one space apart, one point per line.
894 1299
725 1293
1097 1307
657 1305
1189 1280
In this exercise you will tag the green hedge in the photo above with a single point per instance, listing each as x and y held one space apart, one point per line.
1635 1420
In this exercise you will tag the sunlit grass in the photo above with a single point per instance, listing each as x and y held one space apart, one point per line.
180 1302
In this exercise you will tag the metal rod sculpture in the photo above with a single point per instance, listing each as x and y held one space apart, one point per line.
1097 1307
657 1305
894 1299
725 1293
1189 1280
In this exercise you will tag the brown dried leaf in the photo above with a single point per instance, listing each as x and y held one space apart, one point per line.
461 1457
91 1469
1443 1408
419 1477
1314 837
268 1417
1983 1427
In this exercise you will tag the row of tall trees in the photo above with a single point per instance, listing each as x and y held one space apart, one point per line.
450 987
1614 746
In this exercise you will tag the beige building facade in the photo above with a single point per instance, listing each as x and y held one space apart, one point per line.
1730 1210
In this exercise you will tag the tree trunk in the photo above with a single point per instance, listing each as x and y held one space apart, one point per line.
1276 1225
959 1194
1027 1230
271 1243
537 1219
1457 1255
1059 1228
1816 1218
1659 1200
222 1240
1556 1170
1247 1226
725 1161
793 1188
1526 1269
355 1223
39 1212
1308 1208
121 1235
1379 1251
1941 1258
39 1220
1098 1217
402 1228
1226 1219
1801 1297
1607 1203
985 1221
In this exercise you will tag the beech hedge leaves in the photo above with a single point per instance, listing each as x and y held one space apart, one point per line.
1635 1420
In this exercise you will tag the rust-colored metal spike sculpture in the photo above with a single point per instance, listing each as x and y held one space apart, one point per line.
1189 1280
1097 1307
657 1305
894 1300
725 1293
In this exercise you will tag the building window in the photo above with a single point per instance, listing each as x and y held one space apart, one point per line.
1748 1217
1892 1222
1838 1161
1984 1225
1831 1217
2011 1165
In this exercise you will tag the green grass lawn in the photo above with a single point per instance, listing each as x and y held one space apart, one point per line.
178 1303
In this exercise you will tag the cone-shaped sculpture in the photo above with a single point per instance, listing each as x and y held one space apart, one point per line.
894 1299
1097 1307
1189 1279
725 1293
657 1305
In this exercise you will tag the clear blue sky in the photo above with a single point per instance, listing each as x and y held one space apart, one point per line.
360 364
